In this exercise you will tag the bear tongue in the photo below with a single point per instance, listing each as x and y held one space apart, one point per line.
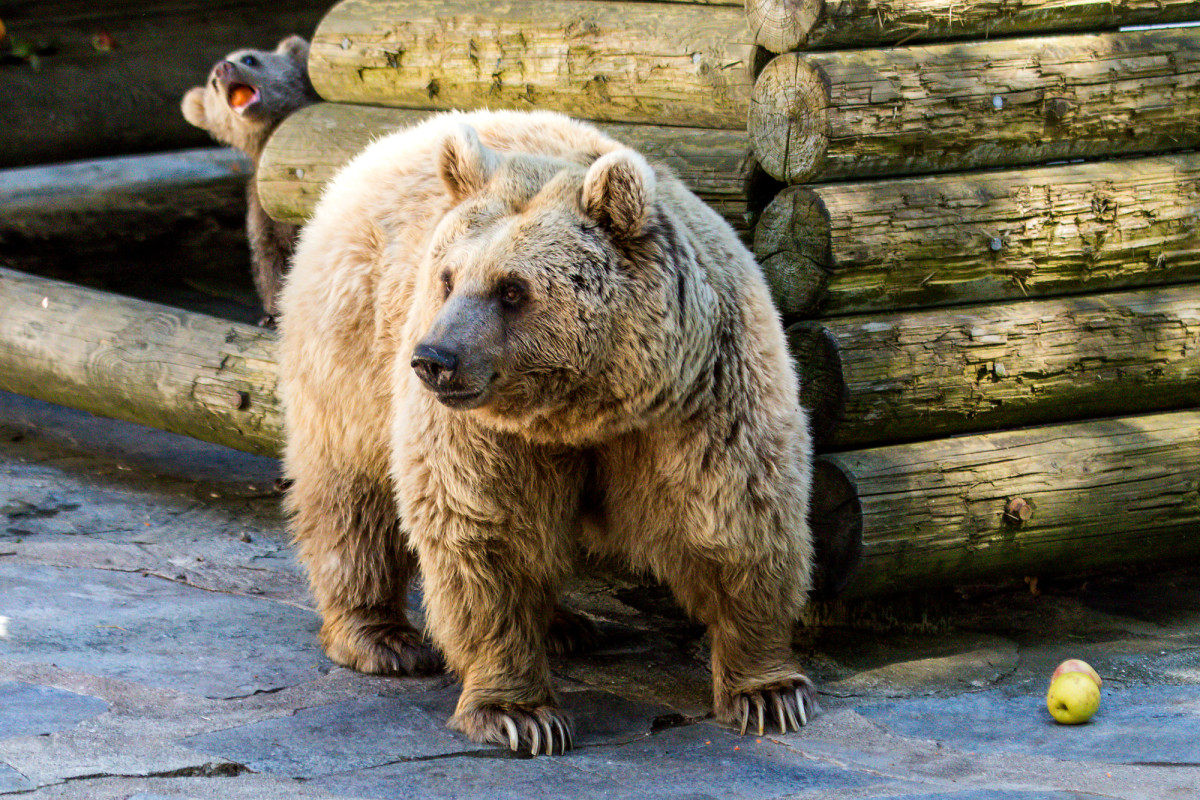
241 95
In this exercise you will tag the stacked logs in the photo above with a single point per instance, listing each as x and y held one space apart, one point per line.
941 308
1002 235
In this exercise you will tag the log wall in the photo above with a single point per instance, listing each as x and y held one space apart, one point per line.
84 96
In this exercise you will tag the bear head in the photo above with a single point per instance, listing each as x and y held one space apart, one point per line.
249 92
545 299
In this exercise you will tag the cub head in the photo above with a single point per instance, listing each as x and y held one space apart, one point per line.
249 92
544 291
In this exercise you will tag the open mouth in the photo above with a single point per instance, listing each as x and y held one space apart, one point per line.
242 96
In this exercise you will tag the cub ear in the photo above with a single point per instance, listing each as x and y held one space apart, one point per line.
466 164
294 46
193 107
618 192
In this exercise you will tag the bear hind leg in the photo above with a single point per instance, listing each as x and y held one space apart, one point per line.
359 567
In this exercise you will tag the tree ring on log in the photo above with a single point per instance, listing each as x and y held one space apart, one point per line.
792 244
789 118
835 517
783 25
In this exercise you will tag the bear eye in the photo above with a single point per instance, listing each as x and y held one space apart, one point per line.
512 294
250 61
447 283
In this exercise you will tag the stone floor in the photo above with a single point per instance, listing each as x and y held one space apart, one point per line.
157 641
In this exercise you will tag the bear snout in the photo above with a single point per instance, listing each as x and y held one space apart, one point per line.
225 71
435 366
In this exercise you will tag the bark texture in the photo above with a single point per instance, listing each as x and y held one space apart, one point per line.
1102 494
934 373
941 240
952 107
83 97
309 147
656 63
784 25
187 373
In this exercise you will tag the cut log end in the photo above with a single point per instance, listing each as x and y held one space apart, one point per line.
823 391
783 25
789 118
792 244
835 517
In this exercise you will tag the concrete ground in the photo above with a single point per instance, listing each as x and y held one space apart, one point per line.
157 641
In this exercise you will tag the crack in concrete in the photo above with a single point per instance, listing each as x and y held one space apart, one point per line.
211 769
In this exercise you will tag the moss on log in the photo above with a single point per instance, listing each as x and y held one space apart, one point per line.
934 373
183 372
1098 495
853 247
84 96
784 25
656 63
951 107
310 146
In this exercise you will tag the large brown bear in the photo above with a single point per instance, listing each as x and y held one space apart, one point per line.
500 326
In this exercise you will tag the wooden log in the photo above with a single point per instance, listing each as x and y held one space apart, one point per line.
655 63
934 373
87 96
124 222
785 25
821 116
309 147
842 248
1100 495
117 357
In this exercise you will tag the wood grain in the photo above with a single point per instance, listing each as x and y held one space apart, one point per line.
951 107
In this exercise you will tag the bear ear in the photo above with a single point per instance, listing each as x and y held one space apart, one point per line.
466 164
294 46
193 107
618 192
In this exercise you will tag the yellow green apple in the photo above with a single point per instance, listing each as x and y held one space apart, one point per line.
1073 698
1076 665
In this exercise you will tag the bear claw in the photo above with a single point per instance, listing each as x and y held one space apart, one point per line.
535 730
790 705
381 648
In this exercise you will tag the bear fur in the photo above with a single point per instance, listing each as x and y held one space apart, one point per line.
506 337
248 93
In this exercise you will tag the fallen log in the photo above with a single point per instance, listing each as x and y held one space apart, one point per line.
309 147
656 63
785 25
1050 500
843 248
821 116
188 373
122 222
106 79
928 374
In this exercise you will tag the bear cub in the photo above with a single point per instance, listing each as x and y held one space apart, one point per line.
505 338
247 95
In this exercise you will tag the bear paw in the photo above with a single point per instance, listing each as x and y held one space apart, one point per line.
571 632
380 648
531 729
789 705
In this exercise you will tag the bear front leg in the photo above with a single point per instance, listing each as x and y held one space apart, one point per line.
359 568
756 681
490 615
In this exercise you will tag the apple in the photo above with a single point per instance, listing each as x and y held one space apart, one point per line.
1073 698
1076 665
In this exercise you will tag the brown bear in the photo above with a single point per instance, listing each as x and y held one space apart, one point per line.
247 95
506 336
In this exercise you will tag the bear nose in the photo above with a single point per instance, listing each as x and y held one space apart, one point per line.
433 365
